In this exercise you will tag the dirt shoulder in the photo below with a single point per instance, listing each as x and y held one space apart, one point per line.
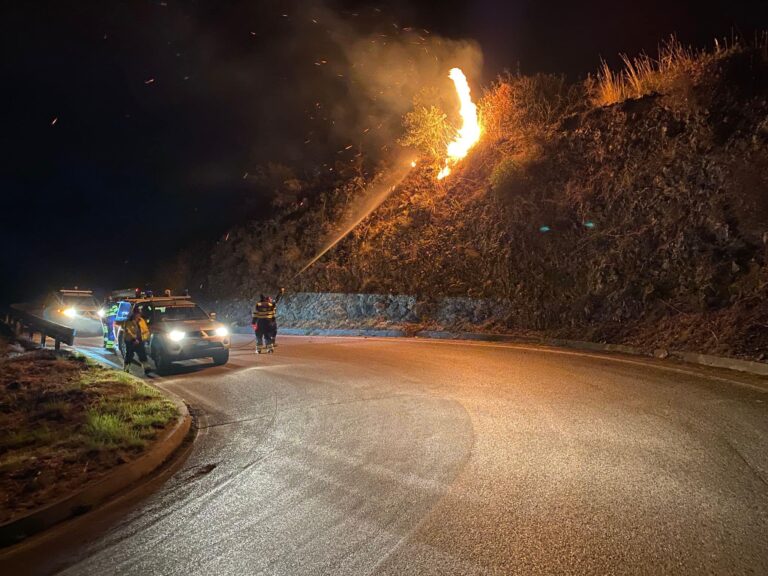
65 421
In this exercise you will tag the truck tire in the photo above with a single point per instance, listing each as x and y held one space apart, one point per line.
221 358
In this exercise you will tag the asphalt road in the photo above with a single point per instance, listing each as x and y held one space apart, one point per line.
366 456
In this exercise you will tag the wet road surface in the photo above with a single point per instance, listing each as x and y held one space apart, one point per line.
373 456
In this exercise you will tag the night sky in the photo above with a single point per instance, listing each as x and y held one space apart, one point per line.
130 129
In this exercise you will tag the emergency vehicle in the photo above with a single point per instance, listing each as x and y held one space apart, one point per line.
180 329
74 308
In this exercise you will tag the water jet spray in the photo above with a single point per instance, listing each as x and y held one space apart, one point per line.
376 192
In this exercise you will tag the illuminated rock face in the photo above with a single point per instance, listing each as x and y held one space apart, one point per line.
333 310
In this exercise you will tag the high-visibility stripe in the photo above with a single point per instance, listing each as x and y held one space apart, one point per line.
264 311
264 315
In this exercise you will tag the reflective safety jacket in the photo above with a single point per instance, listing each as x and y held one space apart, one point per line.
111 311
264 310
136 330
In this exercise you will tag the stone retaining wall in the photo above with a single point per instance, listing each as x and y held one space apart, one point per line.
336 310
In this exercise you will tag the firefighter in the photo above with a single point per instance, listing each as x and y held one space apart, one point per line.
108 324
136 335
265 322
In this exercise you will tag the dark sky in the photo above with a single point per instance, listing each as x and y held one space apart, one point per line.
128 126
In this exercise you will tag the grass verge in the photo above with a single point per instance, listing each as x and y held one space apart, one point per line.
65 421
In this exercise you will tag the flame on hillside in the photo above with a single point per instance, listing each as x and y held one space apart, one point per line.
469 133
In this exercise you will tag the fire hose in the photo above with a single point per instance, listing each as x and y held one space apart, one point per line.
246 345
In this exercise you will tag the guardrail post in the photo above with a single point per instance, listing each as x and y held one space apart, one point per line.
25 323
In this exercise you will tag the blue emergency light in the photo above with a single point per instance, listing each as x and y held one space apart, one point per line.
123 311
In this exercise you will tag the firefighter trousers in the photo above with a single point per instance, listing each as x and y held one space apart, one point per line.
266 332
108 329
135 347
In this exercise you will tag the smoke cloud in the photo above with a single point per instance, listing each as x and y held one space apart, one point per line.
311 84
388 68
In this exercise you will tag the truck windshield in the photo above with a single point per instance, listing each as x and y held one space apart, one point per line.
80 301
176 313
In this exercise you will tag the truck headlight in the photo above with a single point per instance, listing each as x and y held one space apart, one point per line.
101 312
222 331
176 335
70 312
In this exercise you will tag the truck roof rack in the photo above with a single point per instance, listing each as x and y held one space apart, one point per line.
139 294
76 292
155 298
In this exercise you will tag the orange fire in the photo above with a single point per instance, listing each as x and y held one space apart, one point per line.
469 133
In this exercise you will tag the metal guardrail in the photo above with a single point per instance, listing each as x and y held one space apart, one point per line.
22 321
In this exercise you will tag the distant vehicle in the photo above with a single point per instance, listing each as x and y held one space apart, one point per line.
76 309
180 329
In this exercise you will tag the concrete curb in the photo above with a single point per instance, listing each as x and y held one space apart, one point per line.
479 336
750 367
759 368
358 332
99 491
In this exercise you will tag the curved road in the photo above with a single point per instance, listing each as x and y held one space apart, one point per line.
368 456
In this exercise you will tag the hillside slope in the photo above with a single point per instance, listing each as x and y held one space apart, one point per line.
642 222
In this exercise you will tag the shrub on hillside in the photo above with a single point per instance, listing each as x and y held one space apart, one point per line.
675 70
427 130
523 108
506 173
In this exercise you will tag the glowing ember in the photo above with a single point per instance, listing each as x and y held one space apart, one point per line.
469 133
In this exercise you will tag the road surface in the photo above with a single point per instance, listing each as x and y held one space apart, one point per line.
398 457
